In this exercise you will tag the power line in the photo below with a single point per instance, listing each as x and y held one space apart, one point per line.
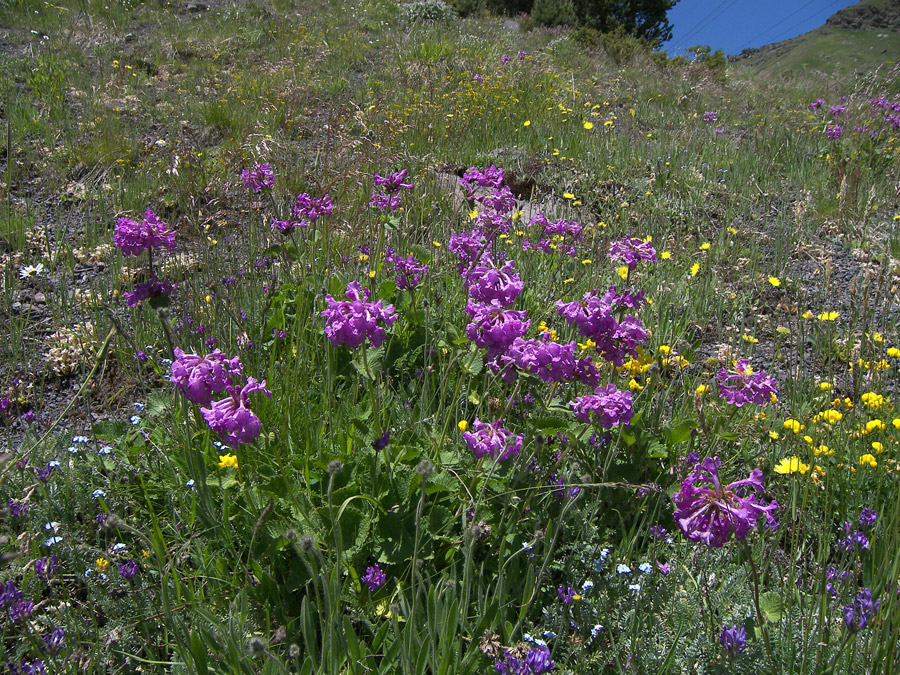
789 31
706 20
780 21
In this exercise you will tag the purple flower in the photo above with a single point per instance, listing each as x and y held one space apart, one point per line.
501 200
553 228
658 532
231 418
837 110
469 247
631 251
35 667
710 116
5 403
385 202
261 177
128 569
20 609
43 474
493 223
148 289
353 320
711 513
867 519
478 78
742 385
9 594
308 210
46 567
286 226
409 271
535 662
818 103
489 282
493 440
199 377
18 509
733 639
493 327
29 417
858 615
566 594
491 177
382 441
835 131
374 578
133 238
608 406
504 59
550 361
392 182
55 640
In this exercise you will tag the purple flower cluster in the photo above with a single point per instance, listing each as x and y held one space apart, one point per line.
487 282
409 271
818 103
231 417
493 440
534 662
566 594
147 290
199 377
374 578
496 205
128 569
856 540
631 251
742 385
308 210
607 406
493 327
133 237
837 110
734 639
469 247
860 614
710 116
709 512
834 131
353 320
388 198
55 640
261 177
491 177
45 568
550 361
593 317
35 667
557 228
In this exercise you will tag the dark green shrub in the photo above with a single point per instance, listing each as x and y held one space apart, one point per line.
554 13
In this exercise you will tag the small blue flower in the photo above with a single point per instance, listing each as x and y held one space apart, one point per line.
138 406
645 567
52 540
587 586
52 525
135 420
596 630
118 547
166 362
190 483
79 439
622 568
549 634
53 463
72 449
96 494
105 450
634 587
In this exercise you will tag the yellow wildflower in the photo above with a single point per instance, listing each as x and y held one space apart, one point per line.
874 425
227 460
868 459
792 465
873 400
893 352
101 565
828 316
701 389
793 425
773 435
705 246
808 315
462 425
749 339
622 271
826 386
635 385
775 281
588 125
666 255
694 269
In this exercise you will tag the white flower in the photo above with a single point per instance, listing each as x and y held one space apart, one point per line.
623 569
31 270
646 567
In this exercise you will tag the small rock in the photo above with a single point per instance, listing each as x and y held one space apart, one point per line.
40 299
512 25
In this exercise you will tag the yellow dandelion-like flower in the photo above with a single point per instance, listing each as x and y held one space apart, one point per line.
462 425
665 255
808 315
791 465
774 435
701 389
749 339
826 386
228 460
775 281
868 459
828 316
622 271
568 195
694 269
588 125
101 565
526 123
705 246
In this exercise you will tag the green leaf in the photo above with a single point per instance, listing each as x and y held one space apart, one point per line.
370 362
772 606
387 289
472 362
680 433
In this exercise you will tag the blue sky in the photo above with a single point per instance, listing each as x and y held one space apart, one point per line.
734 25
